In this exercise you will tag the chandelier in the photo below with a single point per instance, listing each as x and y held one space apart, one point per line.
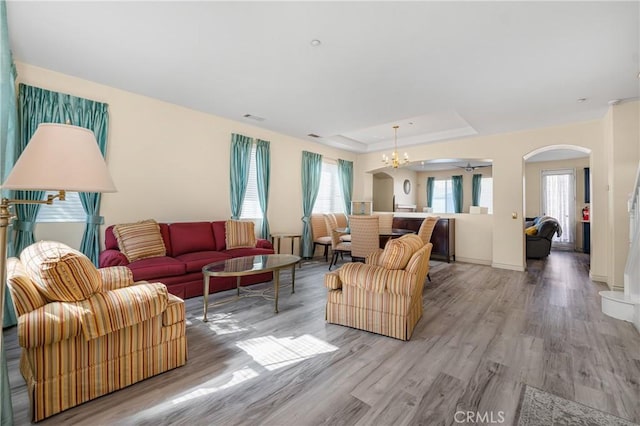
395 161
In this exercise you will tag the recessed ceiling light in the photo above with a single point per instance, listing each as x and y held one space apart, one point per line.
315 42
580 100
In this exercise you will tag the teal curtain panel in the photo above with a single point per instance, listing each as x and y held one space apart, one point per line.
263 172
311 171
8 139
457 193
476 184
345 176
430 183
93 116
8 120
37 106
239 171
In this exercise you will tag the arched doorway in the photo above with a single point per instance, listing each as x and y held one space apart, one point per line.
382 192
557 183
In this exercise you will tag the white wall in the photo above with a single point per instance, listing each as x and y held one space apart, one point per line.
623 153
399 176
172 163
507 152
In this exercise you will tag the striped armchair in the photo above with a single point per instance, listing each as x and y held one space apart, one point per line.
86 332
383 295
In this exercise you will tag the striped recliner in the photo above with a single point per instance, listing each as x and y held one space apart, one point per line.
383 295
86 332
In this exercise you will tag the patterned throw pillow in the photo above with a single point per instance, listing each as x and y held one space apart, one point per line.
240 234
414 241
26 297
61 273
140 240
396 254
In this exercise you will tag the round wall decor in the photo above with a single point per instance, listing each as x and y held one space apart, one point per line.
407 186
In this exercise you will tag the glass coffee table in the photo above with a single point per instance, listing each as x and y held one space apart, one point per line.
249 265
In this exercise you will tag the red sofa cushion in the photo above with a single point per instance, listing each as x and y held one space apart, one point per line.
220 234
110 242
190 237
156 267
164 231
195 261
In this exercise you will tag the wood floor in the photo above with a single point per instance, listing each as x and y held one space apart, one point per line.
485 332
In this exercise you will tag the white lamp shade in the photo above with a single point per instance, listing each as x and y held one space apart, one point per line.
61 157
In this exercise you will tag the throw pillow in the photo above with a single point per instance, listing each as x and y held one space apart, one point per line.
26 297
61 273
140 240
414 241
532 230
239 234
396 255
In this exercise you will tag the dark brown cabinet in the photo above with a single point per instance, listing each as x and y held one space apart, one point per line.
443 237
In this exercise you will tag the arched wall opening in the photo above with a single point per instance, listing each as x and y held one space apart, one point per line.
383 199
537 165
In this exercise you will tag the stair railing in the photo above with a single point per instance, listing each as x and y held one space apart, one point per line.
632 267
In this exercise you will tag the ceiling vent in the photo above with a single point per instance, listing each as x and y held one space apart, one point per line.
253 117
313 135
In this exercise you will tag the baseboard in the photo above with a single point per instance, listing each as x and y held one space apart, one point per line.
509 267
474 261
619 306
598 278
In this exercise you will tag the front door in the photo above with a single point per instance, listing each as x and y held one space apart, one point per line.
558 201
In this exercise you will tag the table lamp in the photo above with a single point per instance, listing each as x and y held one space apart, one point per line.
59 157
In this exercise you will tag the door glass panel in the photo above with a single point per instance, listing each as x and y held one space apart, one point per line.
558 201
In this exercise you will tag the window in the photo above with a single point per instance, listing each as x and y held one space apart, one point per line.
329 198
486 193
558 201
251 203
443 196
69 210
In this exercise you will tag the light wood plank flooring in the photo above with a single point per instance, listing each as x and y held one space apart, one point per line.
485 332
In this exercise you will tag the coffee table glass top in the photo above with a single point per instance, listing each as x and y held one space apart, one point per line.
249 265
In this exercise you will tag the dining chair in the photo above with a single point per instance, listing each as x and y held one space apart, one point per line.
320 235
364 236
338 247
426 230
341 222
385 223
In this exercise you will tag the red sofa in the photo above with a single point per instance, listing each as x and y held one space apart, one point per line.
190 246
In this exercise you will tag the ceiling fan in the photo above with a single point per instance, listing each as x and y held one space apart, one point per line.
470 168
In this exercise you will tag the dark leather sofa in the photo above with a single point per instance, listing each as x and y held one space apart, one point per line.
539 245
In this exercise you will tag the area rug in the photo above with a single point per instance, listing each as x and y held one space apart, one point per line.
540 408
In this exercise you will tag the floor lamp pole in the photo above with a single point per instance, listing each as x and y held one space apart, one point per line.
5 218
